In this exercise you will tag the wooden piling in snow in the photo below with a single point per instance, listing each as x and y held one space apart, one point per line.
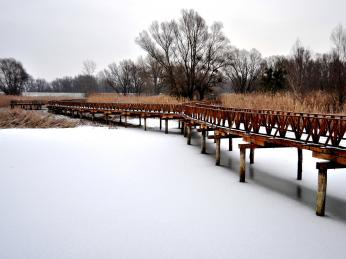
145 123
166 126
230 144
203 142
189 134
321 191
218 151
160 123
242 164
252 155
300 164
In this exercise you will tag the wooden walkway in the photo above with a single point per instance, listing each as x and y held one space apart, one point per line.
27 104
323 134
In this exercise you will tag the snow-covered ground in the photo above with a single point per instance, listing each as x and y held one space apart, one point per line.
98 192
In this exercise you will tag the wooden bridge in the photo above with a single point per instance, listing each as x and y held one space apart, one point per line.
28 104
323 134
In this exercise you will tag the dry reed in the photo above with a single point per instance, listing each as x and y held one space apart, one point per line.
17 118
118 98
314 102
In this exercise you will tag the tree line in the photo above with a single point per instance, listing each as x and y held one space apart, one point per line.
188 58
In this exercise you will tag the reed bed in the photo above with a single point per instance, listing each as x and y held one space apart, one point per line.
17 118
118 98
314 102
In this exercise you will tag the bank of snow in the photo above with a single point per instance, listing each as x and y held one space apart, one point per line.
125 193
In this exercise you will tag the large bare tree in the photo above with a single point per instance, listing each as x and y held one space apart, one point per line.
12 76
190 53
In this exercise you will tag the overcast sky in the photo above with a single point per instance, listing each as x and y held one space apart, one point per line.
52 38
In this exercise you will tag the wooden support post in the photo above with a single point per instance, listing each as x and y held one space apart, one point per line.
125 121
252 155
217 151
145 123
185 130
242 164
189 133
106 117
140 121
203 142
120 119
92 116
179 124
230 144
160 123
81 115
182 127
166 126
321 192
300 164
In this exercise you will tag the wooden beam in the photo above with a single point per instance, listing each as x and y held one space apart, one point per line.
332 157
329 165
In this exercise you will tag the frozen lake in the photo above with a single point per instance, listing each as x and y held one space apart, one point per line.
98 192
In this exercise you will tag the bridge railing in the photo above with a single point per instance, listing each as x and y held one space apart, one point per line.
322 129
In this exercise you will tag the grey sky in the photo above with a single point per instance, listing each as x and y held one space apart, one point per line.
53 37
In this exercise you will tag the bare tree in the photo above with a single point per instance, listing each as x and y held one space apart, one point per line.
243 69
159 44
154 74
119 76
209 72
89 67
298 69
190 54
338 63
12 76
137 74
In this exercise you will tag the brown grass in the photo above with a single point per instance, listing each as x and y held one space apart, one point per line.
5 100
314 102
118 98
17 118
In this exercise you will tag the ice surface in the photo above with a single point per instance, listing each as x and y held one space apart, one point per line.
98 192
